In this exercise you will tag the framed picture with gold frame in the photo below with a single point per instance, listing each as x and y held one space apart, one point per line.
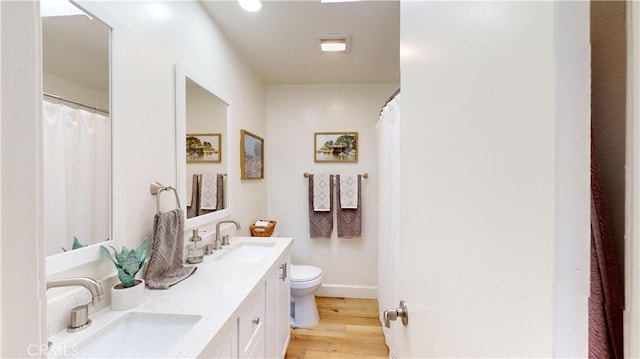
335 147
251 156
204 147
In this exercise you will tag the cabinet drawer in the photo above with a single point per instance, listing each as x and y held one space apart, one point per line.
251 324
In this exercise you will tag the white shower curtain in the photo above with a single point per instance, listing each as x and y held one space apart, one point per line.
77 176
388 130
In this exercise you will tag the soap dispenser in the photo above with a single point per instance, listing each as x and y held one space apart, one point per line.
196 249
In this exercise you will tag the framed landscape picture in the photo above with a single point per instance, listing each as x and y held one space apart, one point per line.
204 147
335 147
251 156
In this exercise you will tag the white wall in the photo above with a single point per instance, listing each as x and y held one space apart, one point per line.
55 85
632 219
294 113
487 112
22 248
153 36
1 191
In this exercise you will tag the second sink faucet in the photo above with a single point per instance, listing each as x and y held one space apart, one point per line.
216 243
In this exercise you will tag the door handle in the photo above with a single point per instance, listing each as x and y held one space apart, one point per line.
283 271
393 314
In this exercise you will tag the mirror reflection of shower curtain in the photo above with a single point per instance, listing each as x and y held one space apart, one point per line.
388 131
76 176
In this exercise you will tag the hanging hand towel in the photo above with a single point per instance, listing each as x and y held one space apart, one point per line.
219 196
165 267
209 191
189 188
220 192
349 191
350 220
322 186
193 209
320 223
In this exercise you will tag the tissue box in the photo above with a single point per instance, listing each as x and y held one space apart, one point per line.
263 231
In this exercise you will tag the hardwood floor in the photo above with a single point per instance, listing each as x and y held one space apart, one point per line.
348 328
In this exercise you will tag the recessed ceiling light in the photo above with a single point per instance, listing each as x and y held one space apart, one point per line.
250 5
335 43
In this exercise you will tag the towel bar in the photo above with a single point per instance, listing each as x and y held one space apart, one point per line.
306 175
156 188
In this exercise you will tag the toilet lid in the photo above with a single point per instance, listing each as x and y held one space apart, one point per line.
301 273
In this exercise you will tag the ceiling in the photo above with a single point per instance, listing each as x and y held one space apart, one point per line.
280 41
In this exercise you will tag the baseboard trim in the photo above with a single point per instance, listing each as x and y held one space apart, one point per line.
348 291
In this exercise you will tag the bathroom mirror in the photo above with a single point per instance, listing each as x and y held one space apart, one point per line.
202 151
76 134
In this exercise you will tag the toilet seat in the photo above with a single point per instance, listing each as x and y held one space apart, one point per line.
305 273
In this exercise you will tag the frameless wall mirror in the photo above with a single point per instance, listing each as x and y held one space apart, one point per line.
202 122
76 134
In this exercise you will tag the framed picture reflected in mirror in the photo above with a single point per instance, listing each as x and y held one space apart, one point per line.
204 147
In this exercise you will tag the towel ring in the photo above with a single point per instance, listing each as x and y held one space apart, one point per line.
156 188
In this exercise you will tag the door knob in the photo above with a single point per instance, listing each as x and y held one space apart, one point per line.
393 314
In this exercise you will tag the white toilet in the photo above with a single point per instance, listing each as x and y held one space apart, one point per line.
305 282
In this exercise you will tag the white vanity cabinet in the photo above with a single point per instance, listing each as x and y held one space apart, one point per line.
260 329
278 304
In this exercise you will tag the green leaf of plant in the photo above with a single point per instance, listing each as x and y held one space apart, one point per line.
105 252
126 279
76 243
125 252
141 251
119 257
130 266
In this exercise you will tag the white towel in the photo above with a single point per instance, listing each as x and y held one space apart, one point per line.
321 195
349 191
208 191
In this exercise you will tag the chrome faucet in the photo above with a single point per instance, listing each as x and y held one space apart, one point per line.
80 314
216 243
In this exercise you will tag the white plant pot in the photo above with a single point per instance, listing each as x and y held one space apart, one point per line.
127 298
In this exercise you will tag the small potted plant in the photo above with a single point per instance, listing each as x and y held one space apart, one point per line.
130 291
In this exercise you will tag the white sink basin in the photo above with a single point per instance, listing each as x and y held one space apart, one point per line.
137 335
247 252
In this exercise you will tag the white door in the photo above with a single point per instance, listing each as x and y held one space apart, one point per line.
479 177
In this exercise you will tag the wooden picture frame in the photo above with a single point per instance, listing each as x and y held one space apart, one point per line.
335 147
204 147
251 156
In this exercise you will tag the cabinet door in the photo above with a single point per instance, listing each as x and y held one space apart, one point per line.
251 326
284 308
225 345
278 309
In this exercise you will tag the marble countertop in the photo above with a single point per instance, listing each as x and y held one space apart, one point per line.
215 292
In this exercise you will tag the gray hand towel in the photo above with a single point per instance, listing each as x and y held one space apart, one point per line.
165 267
350 219
194 208
320 223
